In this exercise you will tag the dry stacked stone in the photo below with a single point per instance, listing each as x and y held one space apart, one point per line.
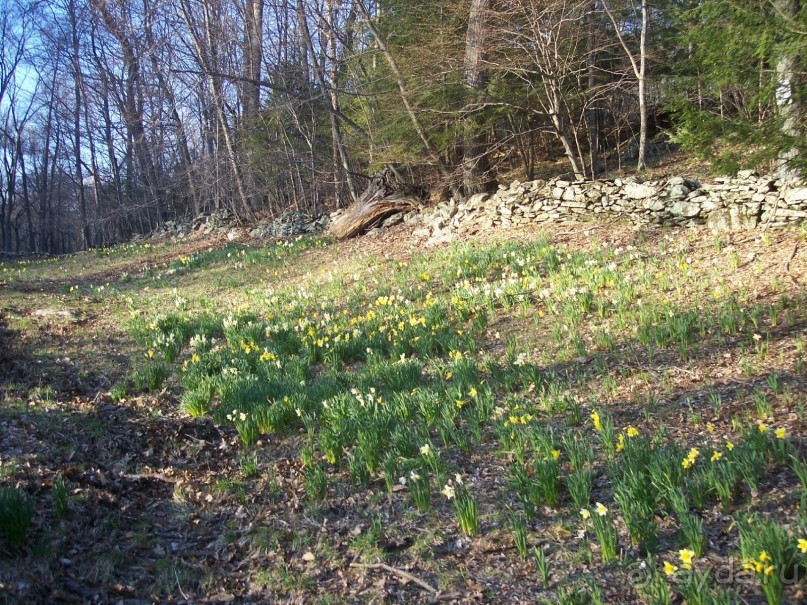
743 202
289 224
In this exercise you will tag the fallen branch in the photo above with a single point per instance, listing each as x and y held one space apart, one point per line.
791 257
790 260
398 572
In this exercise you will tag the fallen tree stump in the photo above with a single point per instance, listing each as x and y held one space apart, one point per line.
383 197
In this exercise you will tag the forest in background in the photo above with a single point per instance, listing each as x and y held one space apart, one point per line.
117 115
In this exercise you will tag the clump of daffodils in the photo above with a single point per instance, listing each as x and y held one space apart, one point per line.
762 565
603 524
691 458
465 507
686 558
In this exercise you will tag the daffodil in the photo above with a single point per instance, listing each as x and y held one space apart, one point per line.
586 514
448 491
781 433
716 456
762 427
802 545
595 418
425 449
691 458
601 510
632 431
686 555
669 568
729 446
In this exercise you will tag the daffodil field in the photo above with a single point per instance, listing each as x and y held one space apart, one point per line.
600 422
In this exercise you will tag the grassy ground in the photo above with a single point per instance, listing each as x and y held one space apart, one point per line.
583 414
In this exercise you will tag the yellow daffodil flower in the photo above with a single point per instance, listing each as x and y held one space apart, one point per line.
687 556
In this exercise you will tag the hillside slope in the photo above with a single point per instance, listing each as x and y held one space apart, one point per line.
366 421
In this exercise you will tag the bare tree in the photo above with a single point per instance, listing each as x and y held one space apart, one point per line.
639 67
203 27
341 165
543 46
78 87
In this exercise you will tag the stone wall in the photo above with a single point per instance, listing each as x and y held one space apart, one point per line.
743 202
290 223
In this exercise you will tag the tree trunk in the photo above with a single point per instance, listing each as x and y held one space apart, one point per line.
474 162
640 72
384 196
252 57
250 89
592 110
26 199
788 100
333 77
86 236
559 126
641 164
